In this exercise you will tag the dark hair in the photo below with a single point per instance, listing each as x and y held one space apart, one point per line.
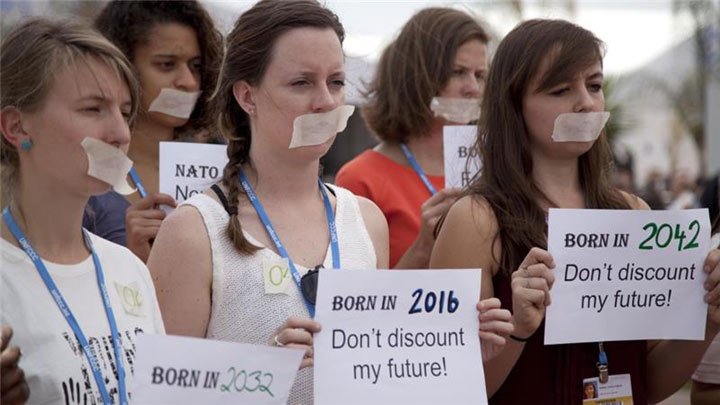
249 51
128 23
506 178
415 68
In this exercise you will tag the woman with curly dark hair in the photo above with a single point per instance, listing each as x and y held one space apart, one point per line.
176 52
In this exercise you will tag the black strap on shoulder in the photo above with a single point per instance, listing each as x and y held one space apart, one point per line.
331 189
230 210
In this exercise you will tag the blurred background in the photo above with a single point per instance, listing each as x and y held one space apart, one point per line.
662 71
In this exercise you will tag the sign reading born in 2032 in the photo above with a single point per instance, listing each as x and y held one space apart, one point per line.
461 158
182 370
189 168
627 275
391 337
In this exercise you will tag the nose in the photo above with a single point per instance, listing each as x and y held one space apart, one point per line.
117 131
585 102
473 87
186 79
324 100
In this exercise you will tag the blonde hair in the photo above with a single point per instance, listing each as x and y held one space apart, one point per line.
32 54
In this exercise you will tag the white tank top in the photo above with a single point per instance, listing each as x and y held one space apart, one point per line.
241 311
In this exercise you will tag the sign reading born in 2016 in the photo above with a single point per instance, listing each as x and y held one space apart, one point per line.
627 275
189 168
183 370
391 337
461 158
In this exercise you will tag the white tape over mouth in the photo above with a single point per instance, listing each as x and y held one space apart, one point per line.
176 103
109 164
460 110
579 127
318 128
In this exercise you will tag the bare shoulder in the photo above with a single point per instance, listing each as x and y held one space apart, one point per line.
467 236
182 239
377 227
634 201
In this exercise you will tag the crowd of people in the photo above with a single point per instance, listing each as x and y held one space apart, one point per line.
86 269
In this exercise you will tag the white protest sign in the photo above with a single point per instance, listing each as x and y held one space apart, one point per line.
391 337
627 275
183 370
189 168
462 160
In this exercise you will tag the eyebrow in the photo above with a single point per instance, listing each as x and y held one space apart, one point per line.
596 75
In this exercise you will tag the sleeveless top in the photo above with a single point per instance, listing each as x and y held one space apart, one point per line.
553 374
241 311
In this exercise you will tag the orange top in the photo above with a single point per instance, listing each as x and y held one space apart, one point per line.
396 189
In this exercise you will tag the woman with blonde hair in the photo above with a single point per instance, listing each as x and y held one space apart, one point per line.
74 300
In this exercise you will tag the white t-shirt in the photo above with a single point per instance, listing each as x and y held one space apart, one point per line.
55 368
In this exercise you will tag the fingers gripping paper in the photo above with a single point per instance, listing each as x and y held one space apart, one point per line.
316 129
460 110
109 164
579 127
176 103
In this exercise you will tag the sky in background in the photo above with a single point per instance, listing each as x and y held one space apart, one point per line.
635 31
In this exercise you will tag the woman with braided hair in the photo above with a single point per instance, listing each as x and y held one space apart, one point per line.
284 60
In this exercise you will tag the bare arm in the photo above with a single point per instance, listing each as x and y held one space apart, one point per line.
705 394
466 241
181 267
378 229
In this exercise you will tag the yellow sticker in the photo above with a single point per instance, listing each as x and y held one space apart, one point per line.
131 298
277 276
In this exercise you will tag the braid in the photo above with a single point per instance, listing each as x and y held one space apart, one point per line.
236 155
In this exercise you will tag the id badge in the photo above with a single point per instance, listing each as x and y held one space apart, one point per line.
616 391
277 277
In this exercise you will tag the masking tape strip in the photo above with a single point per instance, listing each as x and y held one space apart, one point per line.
176 103
318 128
459 110
109 164
579 127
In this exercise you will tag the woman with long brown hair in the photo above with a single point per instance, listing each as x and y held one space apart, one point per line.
431 75
544 68
213 258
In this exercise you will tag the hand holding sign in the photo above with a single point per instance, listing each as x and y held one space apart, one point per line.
297 333
142 223
531 285
495 327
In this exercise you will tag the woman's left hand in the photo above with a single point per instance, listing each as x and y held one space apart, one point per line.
712 285
495 327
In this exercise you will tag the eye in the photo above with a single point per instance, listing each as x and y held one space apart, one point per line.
91 109
560 91
300 83
595 87
458 72
196 66
338 82
480 76
166 65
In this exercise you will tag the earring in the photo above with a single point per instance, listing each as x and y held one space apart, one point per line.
251 111
26 144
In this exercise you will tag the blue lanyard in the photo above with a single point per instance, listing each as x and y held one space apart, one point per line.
417 168
279 245
67 313
138 183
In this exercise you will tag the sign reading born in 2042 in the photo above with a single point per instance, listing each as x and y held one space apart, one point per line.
627 275
392 337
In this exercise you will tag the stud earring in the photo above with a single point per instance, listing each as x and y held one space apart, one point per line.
26 144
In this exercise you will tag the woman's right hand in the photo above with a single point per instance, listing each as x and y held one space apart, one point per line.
296 333
142 223
13 386
531 284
